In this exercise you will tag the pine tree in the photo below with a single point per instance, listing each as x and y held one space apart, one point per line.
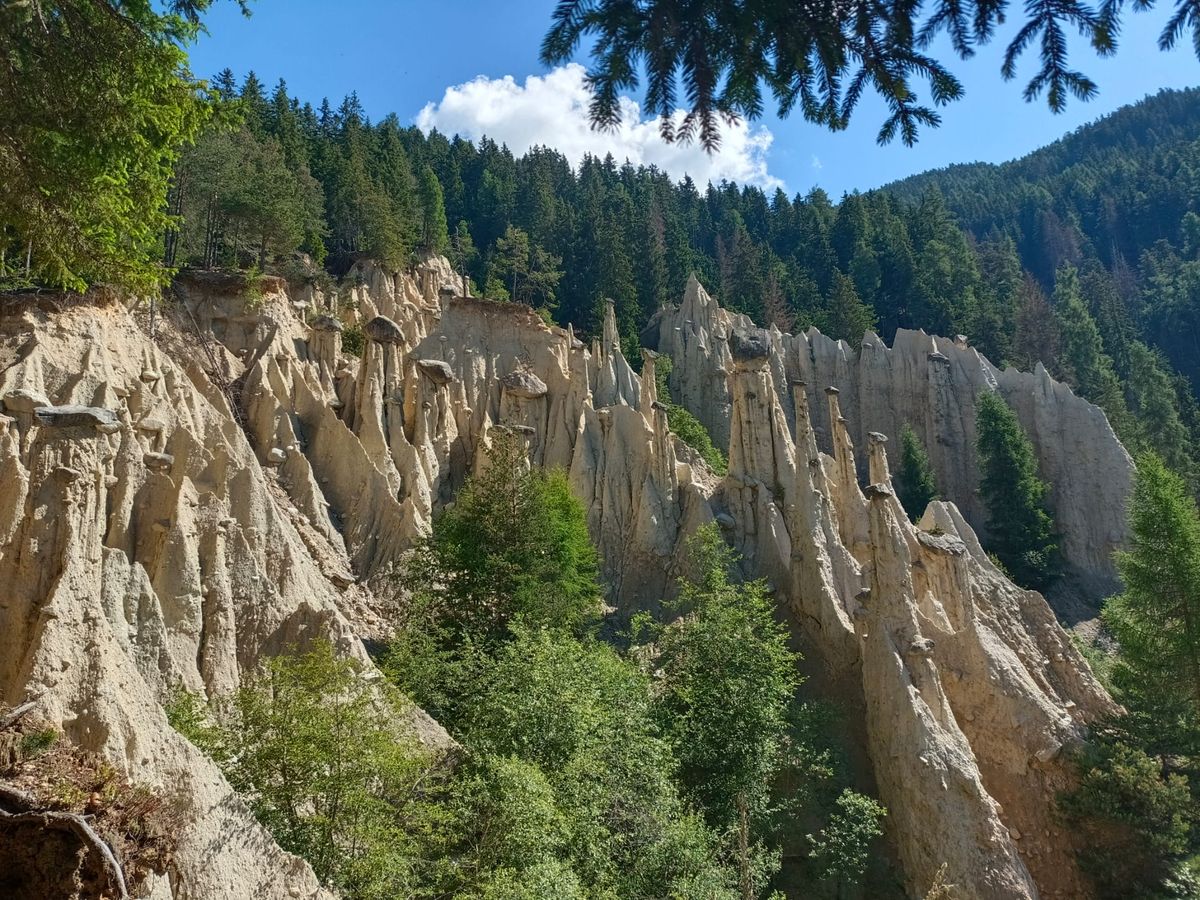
915 484
1020 532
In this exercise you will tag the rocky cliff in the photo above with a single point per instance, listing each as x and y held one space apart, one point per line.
929 383
179 500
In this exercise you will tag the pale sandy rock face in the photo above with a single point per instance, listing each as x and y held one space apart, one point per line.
193 522
929 383
144 546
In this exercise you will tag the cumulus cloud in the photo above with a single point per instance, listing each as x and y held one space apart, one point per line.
552 110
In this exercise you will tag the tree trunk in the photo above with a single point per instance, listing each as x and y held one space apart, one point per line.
28 257
745 878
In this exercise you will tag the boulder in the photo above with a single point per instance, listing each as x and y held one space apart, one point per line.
524 384
436 370
383 330
329 323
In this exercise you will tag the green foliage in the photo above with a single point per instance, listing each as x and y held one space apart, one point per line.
354 340
1156 619
531 273
321 756
727 681
513 546
241 201
35 743
1020 531
845 317
915 484
1082 362
1134 804
816 63
95 104
1136 823
601 801
1154 403
686 426
841 849
435 236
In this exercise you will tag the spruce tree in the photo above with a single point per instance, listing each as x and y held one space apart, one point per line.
435 237
915 484
846 317
1020 531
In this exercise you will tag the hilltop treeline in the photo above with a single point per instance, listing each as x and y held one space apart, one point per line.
1083 256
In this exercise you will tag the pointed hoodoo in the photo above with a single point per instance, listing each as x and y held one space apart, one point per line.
648 398
909 717
611 337
877 461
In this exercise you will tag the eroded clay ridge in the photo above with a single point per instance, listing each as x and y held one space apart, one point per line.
237 482
930 383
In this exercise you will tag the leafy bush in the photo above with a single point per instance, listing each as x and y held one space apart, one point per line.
319 754
354 340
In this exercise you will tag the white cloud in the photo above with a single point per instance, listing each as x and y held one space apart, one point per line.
552 110
816 162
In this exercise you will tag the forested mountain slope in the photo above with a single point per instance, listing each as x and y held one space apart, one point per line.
1108 190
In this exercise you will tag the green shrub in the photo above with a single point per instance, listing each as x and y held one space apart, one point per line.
354 340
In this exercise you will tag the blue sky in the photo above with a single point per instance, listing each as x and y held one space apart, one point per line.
463 65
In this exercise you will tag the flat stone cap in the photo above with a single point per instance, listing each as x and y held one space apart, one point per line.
938 357
941 543
328 323
832 391
877 437
383 330
524 384
525 430
877 491
77 417
749 346
23 400
436 370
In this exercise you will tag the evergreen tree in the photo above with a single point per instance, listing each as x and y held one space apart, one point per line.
1156 619
726 700
530 272
1020 532
1082 361
1037 336
95 107
1153 402
915 484
845 317
435 237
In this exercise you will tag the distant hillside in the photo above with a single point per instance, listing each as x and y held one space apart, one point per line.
1107 190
